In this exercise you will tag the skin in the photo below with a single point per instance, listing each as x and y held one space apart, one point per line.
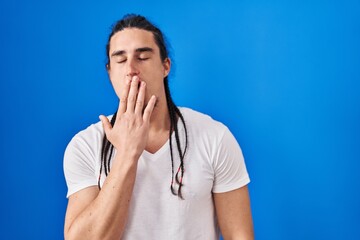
137 73
234 214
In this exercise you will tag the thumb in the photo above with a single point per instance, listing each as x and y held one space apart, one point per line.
106 124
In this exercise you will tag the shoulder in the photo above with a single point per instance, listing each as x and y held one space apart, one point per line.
82 158
203 131
87 141
91 133
202 123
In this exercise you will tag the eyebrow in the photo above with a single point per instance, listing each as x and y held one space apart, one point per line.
138 50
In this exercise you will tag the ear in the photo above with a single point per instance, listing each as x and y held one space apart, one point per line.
108 70
167 66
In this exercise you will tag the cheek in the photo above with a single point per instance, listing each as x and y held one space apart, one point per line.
154 76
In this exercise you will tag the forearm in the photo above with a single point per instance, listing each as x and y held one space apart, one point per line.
105 217
234 214
241 236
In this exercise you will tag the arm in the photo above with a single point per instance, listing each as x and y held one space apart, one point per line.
94 214
234 214
101 215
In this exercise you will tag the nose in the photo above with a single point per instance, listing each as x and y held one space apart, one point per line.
132 69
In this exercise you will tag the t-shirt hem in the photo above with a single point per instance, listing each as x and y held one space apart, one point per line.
228 188
80 186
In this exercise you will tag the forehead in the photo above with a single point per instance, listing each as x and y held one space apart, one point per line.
131 39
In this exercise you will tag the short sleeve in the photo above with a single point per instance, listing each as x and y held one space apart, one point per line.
229 165
79 165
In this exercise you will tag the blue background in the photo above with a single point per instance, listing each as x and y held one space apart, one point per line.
284 76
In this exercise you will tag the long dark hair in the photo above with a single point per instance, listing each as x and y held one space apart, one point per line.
140 22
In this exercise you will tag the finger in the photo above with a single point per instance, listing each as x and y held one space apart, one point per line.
140 98
132 94
106 124
124 97
149 109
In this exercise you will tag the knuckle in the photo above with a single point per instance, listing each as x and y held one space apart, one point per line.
123 99
129 117
131 98
139 117
125 117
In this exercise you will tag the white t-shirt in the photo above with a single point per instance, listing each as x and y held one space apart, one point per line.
213 164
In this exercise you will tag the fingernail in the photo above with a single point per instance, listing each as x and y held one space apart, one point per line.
143 83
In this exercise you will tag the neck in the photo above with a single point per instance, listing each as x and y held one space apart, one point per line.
160 119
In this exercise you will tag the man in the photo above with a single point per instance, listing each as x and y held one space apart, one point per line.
175 173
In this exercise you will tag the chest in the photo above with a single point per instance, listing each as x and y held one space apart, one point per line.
157 171
153 204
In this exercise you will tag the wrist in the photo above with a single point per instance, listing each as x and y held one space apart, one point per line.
125 159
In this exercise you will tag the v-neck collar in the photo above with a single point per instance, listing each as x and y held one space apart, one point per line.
164 148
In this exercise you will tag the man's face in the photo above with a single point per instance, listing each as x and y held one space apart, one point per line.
133 52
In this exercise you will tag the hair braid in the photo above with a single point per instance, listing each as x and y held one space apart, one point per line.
105 156
174 112
182 155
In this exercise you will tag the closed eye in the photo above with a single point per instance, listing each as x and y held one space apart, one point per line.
139 58
121 61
